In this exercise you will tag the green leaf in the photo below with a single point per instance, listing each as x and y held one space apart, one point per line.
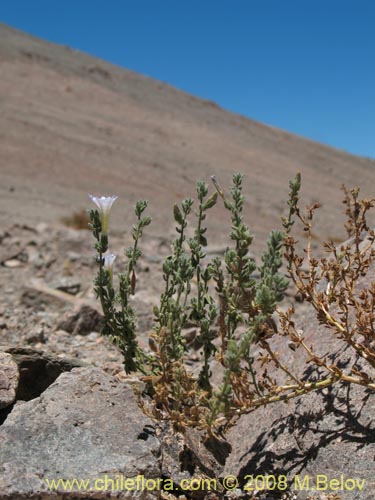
202 241
177 214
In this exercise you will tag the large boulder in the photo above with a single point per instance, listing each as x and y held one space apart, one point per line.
85 426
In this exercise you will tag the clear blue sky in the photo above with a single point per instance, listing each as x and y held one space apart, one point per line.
307 66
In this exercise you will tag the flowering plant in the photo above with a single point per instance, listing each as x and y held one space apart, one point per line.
233 304
218 316
119 316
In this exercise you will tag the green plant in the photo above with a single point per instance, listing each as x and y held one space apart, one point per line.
241 300
233 303
119 315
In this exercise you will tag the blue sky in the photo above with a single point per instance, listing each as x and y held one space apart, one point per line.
306 66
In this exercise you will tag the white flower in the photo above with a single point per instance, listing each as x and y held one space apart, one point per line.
109 259
104 204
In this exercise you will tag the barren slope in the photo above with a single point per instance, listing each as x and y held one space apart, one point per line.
72 124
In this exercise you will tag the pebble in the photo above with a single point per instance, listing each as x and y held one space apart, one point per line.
67 285
13 263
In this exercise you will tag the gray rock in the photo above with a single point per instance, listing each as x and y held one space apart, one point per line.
329 434
81 321
324 436
38 370
35 335
87 425
67 284
35 256
42 227
190 455
9 377
74 256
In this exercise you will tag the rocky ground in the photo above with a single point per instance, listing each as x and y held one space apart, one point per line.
47 274
50 323
48 302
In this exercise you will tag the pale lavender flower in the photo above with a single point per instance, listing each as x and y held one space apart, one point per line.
104 204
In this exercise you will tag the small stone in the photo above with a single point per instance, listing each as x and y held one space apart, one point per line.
35 335
41 227
13 263
74 256
67 284
34 256
81 321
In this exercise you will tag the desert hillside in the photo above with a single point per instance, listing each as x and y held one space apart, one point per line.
72 124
